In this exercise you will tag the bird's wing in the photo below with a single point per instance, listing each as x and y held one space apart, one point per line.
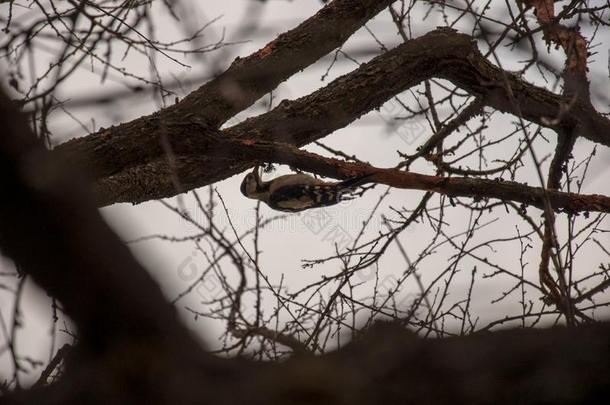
300 197
290 179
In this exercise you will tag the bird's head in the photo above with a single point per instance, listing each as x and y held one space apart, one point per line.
252 184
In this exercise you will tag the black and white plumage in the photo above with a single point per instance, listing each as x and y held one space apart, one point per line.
298 192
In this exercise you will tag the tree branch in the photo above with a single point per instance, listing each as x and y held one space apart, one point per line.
450 186
441 53
137 143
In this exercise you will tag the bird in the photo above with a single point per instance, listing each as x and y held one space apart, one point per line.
298 191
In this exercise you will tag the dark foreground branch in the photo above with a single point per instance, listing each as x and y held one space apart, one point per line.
49 228
391 366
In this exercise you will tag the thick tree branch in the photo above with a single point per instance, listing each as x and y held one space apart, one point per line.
137 143
248 79
441 53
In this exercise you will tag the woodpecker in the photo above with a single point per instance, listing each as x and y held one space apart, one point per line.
298 192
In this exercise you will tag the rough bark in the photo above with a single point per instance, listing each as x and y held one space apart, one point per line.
129 165
127 158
